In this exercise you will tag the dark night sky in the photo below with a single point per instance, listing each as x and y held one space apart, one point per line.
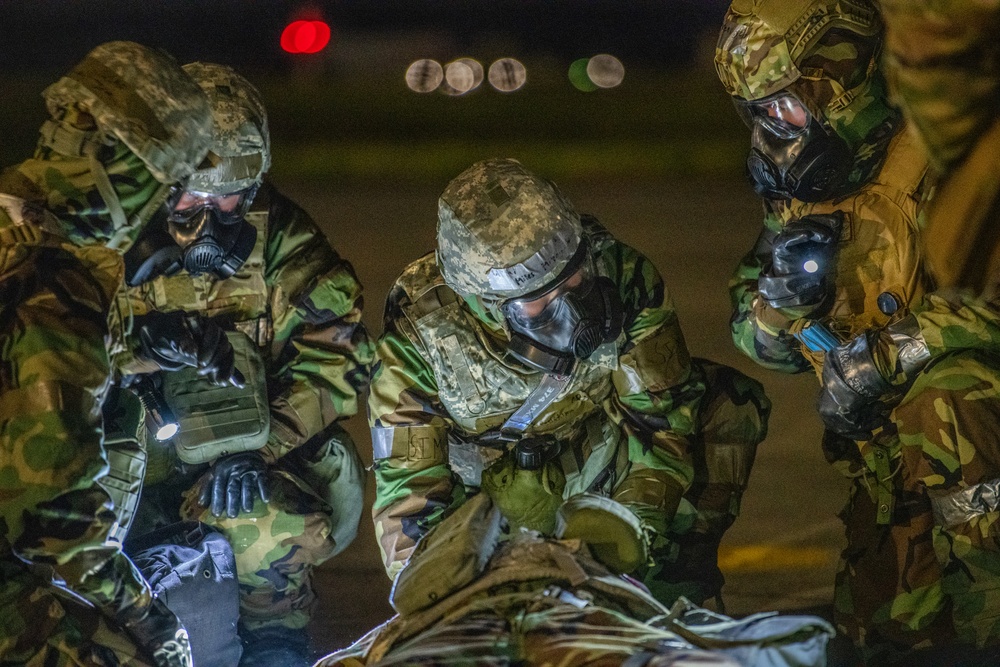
53 34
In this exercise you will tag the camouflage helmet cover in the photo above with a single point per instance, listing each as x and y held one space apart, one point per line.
142 97
823 51
503 232
241 145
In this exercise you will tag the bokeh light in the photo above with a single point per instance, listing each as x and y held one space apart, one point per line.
605 71
305 37
578 76
478 74
458 78
424 76
507 75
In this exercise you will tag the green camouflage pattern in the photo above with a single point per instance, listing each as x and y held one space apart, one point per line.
948 425
54 302
240 154
625 423
823 53
502 231
300 302
67 187
141 97
42 624
879 251
942 59
316 504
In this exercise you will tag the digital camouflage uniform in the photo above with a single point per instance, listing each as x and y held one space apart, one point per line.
86 188
300 303
637 421
904 582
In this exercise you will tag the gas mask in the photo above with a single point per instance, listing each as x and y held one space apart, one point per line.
568 320
199 233
792 155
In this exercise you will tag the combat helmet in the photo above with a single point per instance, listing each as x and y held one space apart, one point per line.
240 154
503 232
140 97
825 52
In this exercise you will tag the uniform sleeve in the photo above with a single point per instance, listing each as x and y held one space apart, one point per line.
54 376
321 353
959 322
657 394
760 331
414 485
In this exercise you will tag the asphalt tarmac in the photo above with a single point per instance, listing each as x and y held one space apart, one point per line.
781 554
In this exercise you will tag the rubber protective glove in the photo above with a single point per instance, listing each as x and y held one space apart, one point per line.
178 339
234 484
802 257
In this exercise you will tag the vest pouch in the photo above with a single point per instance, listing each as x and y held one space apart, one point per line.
216 421
449 557
124 433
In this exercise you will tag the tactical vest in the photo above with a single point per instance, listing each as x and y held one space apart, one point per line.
479 388
240 302
879 249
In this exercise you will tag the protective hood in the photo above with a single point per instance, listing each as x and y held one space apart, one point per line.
91 211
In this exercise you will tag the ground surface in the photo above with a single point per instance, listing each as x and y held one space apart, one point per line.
781 553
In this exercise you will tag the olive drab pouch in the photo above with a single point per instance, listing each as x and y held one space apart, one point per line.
216 421
124 446
450 556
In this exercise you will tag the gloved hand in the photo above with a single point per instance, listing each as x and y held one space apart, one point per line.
801 259
864 379
234 484
160 632
852 401
178 339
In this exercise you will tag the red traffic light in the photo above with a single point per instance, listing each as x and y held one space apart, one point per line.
305 37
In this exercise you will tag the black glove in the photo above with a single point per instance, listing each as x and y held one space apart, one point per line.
855 399
178 339
160 632
235 482
801 259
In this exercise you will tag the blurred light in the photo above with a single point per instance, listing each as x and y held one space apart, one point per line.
578 76
605 71
477 71
507 75
166 431
305 37
424 76
458 77
810 266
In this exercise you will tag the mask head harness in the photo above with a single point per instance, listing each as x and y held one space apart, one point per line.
566 320
792 155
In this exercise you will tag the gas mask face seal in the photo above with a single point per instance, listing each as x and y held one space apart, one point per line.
211 230
792 155
568 320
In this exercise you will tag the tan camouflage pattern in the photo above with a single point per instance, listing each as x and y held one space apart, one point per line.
879 251
823 52
300 302
539 602
942 59
141 97
496 215
240 154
